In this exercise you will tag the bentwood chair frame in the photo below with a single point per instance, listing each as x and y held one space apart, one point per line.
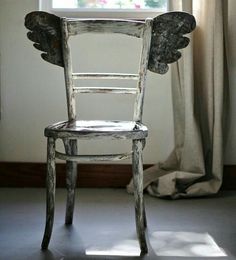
51 35
72 130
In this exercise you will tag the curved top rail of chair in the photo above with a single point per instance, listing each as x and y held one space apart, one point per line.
128 27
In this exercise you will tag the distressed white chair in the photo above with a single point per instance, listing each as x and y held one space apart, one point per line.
51 34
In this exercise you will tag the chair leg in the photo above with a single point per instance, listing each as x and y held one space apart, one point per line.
144 211
144 216
137 164
71 179
50 186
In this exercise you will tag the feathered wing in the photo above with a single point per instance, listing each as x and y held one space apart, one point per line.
167 38
45 31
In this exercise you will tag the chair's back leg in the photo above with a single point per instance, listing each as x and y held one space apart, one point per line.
71 179
51 184
137 167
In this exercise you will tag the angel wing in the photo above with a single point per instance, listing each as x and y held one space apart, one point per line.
45 31
167 38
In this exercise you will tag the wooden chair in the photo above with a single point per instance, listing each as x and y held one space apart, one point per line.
50 34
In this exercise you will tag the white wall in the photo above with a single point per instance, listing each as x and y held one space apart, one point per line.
32 91
33 96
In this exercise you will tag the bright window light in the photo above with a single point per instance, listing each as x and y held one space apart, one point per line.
134 9
111 4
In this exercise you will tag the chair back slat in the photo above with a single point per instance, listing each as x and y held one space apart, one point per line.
104 90
105 76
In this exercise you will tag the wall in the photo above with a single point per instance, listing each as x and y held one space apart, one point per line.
32 91
33 96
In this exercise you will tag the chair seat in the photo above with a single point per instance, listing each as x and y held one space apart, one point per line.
98 129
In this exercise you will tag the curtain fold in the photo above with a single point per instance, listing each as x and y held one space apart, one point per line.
199 83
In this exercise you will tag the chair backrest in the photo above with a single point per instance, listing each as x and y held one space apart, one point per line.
161 37
139 29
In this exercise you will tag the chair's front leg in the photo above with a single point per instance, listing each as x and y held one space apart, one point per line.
144 215
144 211
51 184
137 166
71 179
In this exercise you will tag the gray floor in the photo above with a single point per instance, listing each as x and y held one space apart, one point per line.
104 226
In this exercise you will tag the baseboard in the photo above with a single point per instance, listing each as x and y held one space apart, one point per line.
229 178
13 174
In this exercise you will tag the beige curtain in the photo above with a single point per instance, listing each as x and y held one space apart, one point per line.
199 85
